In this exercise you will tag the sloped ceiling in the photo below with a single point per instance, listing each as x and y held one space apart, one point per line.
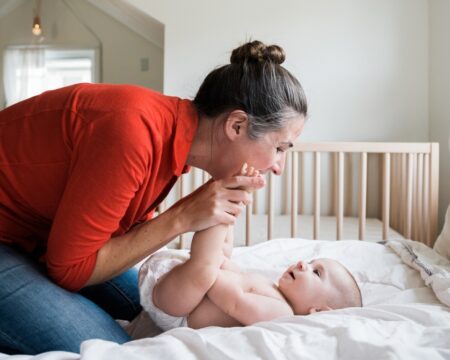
6 6
139 22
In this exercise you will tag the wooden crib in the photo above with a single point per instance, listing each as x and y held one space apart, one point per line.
340 180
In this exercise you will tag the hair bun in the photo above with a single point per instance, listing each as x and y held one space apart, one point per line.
257 52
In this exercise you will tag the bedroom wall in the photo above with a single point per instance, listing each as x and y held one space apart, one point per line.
439 94
121 48
363 64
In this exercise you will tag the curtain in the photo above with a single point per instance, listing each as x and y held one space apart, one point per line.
23 73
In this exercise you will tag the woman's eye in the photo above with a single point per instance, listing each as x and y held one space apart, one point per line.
317 272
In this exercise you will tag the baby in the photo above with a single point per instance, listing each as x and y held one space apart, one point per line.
208 289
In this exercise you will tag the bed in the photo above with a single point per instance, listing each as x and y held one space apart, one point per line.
405 284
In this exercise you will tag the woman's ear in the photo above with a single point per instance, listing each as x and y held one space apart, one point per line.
236 124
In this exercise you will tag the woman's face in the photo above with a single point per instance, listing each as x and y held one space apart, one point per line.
265 154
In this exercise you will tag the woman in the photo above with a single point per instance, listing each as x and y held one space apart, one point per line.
83 168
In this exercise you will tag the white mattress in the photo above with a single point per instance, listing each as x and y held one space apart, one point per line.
402 318
282 229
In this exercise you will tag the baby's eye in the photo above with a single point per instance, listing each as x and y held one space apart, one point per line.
280 150
317 272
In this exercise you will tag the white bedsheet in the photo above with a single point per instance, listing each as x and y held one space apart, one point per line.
402 318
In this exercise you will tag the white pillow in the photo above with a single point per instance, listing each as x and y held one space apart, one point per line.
442 244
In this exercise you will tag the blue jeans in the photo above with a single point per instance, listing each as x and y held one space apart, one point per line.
37 315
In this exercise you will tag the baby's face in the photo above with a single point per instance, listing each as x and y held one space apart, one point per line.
309 286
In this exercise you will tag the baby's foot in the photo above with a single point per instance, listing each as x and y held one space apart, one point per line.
250 172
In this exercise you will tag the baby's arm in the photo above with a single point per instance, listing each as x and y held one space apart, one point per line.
179 291
228 294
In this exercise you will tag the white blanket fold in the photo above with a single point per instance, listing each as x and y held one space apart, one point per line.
433 268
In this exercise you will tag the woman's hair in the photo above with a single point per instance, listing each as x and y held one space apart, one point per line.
256 83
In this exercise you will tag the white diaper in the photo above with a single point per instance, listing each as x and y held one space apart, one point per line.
151 270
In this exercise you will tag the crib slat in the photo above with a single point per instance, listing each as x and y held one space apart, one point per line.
386 193
301 164
434 184
413 197
255 202
192 178
294 197
285 177
409 193
270 209
395 190
316 195
248 222
362 196
181 243
426 196
348 175
418 220
340 196
205 176
334 187
402 192
162 206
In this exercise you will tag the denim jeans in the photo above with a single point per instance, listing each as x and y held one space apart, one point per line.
37 315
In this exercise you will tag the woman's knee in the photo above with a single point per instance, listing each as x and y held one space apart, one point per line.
36 315
119 296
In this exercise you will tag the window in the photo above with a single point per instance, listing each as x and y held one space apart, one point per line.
28 71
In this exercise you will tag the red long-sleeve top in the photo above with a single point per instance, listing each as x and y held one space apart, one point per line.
84 163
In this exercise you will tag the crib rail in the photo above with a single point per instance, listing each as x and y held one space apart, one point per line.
407 187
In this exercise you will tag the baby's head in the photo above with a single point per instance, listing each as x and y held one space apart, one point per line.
322 284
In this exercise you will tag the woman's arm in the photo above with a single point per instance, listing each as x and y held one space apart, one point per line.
211 204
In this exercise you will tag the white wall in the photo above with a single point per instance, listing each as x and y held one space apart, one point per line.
121 48
439 93
363 64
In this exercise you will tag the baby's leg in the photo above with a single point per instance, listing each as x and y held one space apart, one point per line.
192 280
228 245
180 291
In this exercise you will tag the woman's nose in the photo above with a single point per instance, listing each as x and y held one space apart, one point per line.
278 167
276 170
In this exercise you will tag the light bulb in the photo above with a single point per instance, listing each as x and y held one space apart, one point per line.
36 30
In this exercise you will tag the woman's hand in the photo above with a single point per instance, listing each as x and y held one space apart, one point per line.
215 202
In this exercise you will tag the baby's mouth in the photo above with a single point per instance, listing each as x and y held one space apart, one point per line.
292 274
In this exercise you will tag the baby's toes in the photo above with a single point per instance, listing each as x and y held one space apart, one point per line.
244 169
